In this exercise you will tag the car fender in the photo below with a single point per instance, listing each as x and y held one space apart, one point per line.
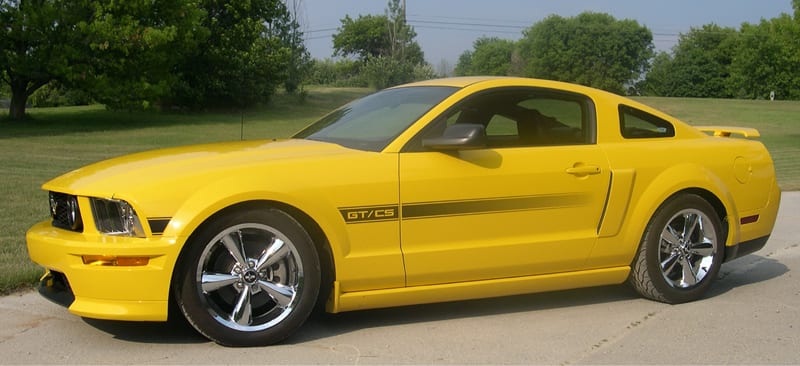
213 198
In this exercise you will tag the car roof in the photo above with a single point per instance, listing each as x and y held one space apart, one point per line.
458 82
465 81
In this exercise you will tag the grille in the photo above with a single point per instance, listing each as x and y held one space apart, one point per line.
65 212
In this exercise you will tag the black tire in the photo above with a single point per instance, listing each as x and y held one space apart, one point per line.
260 290
681 251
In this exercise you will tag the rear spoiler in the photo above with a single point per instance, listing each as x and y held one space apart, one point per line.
727 131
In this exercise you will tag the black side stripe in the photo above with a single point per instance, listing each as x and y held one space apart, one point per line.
494 205
411 211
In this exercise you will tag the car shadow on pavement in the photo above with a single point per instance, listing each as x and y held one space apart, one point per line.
328 325
174 331
745 271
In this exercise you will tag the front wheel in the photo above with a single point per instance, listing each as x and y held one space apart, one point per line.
681 251
248 278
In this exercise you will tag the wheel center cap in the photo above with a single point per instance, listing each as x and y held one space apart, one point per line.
683 249
250 277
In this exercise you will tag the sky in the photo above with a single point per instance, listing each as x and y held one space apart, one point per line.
447 28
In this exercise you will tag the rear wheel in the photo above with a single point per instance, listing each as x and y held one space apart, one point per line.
681 251
248 278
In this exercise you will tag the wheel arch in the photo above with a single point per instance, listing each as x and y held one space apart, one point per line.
685 179
714 201
719 208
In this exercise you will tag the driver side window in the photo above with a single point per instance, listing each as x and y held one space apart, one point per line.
522 117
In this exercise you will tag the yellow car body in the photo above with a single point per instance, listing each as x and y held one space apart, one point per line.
402 225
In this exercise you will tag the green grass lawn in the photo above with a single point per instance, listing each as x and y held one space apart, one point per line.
57 140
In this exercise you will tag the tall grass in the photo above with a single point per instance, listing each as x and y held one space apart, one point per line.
57 140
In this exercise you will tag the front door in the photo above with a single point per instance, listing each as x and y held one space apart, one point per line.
530 203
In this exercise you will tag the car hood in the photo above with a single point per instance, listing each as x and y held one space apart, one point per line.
193 164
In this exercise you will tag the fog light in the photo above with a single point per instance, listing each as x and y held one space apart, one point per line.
106 260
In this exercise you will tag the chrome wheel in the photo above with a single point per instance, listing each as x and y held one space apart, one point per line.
687 248
681 251
249 276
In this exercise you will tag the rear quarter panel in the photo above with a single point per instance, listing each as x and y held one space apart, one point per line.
738 172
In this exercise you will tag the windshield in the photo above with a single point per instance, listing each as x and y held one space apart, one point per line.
372 122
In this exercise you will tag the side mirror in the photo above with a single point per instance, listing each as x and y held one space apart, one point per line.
460 136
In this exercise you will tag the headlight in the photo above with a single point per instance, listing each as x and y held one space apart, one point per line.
115 217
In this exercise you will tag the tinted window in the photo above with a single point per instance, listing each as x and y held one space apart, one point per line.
636 124
372 122
517 117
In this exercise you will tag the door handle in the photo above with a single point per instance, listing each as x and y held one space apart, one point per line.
584 170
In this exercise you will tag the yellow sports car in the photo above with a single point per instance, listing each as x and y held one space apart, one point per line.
440 190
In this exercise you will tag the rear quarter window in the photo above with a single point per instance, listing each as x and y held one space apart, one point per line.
637 124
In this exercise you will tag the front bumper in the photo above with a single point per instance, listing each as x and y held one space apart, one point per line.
138 293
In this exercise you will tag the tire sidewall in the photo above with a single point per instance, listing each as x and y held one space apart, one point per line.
193 306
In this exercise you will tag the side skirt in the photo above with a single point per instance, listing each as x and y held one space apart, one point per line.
473 290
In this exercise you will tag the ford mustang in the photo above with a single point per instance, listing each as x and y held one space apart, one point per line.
441 190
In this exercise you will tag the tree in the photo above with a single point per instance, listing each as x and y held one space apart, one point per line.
340 73
768 58
247 54
299 65
660 80
363 37
712 61
489 56
592 49
33 48
4 90
134 49
699 66
402 45
796 7
385 35
464 64
385 46
383 72
118 50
